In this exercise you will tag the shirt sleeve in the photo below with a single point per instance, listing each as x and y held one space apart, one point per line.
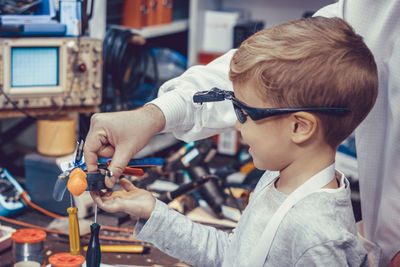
332 254
332 10
179 237
190 121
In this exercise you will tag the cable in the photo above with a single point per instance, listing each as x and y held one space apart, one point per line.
112 238
36 207
56 216
127 59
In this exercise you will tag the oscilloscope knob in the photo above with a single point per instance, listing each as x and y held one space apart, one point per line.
97 85
97 49
45 101
21 103
81 67
72 46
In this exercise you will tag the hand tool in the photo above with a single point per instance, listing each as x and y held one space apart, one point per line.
69 167
93 254
73 224
122 248
77 179
73 229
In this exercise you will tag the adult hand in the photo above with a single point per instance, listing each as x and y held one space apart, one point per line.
120 135
132 200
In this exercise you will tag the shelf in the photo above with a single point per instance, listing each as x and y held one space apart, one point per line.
158 30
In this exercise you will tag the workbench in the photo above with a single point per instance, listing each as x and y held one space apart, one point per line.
55 243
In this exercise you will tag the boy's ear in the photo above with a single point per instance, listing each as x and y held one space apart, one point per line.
303 126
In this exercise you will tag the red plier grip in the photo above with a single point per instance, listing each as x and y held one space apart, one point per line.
133 171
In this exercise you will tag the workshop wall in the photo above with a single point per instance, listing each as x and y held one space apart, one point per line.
274 12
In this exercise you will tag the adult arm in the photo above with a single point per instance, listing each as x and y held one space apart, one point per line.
332 10
120 135
190 121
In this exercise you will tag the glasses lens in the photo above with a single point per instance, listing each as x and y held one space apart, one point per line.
239 113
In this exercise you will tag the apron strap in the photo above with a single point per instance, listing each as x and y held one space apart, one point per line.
312 185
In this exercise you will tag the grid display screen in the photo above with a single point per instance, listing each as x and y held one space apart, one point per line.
34 66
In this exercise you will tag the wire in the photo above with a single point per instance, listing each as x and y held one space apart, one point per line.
112 238
56 216
127 59
33 205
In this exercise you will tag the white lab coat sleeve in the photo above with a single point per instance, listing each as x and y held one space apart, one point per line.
190 121
332 10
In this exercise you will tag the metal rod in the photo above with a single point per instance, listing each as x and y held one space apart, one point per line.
95 213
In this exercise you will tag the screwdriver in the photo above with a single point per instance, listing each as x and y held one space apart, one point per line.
93 254
73 227
122 248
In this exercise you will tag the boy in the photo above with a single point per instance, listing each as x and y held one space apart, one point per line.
300 89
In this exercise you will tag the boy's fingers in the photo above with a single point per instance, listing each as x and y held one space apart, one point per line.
102 201
126 184
96 197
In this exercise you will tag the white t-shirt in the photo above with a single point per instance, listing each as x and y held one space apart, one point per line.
318 231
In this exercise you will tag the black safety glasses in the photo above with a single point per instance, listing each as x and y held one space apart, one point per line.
242 110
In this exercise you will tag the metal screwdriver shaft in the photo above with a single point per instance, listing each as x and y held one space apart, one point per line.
93 254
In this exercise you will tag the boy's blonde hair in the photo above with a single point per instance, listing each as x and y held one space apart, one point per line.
313 62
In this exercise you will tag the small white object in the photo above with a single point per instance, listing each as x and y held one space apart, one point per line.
71 16
218 30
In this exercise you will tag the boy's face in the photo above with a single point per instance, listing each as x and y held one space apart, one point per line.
268 138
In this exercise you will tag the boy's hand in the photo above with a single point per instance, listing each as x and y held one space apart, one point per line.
132 200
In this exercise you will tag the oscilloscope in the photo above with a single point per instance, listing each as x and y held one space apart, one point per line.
50 72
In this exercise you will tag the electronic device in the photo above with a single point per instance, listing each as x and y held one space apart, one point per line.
194 158
10 192
71 15
32 29
50 72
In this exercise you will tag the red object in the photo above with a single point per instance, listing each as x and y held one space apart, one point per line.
395 262
82 67
163 12
151 12
206 57
133 171
66 260
28 236
135 13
